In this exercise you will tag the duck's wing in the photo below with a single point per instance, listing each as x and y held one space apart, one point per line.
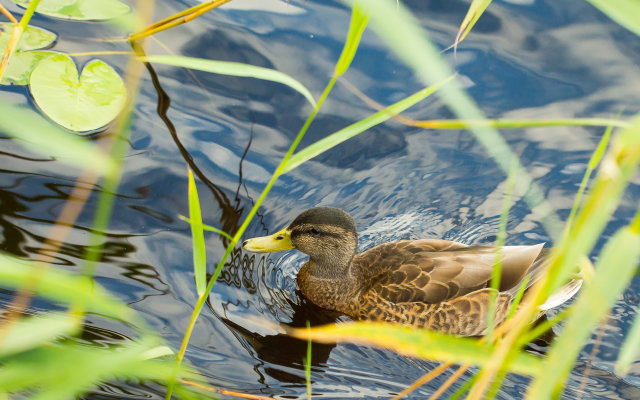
432 271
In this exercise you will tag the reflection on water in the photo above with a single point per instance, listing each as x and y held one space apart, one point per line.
523 60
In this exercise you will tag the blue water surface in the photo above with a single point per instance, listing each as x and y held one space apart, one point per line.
524 59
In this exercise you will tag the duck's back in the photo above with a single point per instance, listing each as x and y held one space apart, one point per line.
438 284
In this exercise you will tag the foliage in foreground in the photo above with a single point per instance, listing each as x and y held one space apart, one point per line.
46 342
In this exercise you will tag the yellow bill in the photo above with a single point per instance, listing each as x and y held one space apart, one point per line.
277 242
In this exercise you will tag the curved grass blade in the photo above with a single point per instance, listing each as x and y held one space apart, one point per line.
476 9
207 227
84 366
591 166
352 130
615 267
62 287
629 350
414 342
233 69
30 332
42 137
357 26
197 234
624 12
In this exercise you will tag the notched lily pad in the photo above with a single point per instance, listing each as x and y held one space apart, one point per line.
32 38
83 104
20 66
22 62
79 9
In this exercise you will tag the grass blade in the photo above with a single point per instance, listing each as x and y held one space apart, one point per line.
615 267
233 69
624 12
629 350
197 234
62 287
207 227
84 366
307 365
352 130
414 342
476 9
593 163
357 26
30 332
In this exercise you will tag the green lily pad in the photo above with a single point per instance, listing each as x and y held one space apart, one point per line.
79 9
20 66
32 38
81 105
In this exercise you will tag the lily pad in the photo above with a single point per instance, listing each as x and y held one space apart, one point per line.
83 104
79 9
20 66
32 38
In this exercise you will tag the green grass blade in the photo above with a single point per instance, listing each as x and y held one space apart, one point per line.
42 137
515 123
352 130
197 234
357 26
624 12
398 28
476 9
414 342
61 286
629 350
233 69
593 163
30 332
84 366
615 267
307 365
207 227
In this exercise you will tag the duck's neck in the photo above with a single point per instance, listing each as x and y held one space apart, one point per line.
329 268
328 287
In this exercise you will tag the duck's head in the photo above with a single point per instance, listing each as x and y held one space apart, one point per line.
328 235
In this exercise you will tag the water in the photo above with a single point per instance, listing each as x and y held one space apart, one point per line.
525 59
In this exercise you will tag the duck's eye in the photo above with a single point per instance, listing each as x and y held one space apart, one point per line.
314 231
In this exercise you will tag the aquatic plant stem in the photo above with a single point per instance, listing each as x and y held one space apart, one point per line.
307 365
16 34
177 19
423 380
8 14
450 381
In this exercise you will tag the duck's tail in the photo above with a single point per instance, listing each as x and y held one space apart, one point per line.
562 295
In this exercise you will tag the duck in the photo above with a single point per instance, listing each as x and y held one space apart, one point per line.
434 284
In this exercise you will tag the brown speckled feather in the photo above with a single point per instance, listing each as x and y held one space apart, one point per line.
438 284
